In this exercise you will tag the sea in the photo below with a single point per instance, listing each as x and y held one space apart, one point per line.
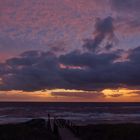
79 113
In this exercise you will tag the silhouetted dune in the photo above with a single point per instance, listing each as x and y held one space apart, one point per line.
39 129
110 132
31 130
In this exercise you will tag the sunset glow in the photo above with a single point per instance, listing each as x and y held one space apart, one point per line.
121 95
120 92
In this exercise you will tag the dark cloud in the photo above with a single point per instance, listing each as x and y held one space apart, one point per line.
107 75
103 30
95 70
33 70
42 70
78 94
88 59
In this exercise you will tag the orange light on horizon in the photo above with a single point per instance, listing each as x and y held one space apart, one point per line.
106 95
121 92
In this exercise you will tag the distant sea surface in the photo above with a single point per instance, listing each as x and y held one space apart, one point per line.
81 113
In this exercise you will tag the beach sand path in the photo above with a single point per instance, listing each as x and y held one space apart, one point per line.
66 134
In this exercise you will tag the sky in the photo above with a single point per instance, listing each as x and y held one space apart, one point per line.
70 50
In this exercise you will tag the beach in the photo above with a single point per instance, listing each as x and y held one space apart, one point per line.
40 129
110 132
69 121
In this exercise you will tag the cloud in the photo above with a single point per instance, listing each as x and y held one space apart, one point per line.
28 25
78 95
33 25
88 59
84 70
103 30
31 66
35 70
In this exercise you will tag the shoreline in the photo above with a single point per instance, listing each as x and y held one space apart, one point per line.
76 122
